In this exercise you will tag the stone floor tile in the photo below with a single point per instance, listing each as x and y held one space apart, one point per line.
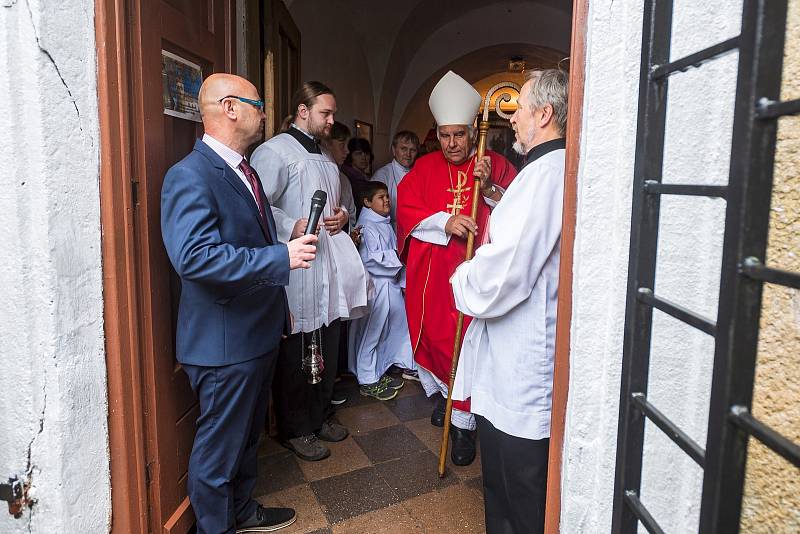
415 474
428 434
389 443
476 484
456 509
352 494
277 472
309 513
411 407
345 456
362 419
394 519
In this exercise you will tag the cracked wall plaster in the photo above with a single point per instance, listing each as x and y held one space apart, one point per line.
53 428
697 150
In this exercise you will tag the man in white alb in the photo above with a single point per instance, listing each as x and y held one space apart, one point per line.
405 147
510 289
292 167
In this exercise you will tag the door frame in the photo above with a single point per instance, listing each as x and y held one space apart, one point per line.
577 79
126 425
118 26
126 405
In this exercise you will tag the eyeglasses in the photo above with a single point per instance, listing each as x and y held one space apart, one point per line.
258 104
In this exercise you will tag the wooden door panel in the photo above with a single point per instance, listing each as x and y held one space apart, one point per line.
284 48
201 32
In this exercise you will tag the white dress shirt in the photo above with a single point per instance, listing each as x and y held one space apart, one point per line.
510 288
231 157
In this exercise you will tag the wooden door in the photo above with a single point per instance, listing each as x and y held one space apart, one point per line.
202 32
282 64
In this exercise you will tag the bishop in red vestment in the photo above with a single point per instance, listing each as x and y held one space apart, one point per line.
433 218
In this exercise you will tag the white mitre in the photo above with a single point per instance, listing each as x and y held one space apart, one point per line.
454 101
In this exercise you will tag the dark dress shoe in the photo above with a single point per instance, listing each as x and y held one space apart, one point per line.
437 417
267 520
463 450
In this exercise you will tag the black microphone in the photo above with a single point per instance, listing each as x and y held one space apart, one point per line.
317 203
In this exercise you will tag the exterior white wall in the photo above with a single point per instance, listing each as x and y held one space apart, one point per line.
53 428
697 150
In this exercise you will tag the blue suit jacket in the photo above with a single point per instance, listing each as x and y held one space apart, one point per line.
233 304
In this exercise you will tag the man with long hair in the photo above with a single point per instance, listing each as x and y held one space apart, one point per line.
293 167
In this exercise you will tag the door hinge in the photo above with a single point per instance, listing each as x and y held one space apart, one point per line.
15 492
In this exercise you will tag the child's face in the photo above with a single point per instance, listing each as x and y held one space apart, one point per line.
379 203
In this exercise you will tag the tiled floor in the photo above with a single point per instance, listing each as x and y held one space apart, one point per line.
382 478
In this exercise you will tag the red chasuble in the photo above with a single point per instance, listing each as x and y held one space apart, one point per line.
434 185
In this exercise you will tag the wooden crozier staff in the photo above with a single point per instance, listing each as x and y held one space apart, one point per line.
503 95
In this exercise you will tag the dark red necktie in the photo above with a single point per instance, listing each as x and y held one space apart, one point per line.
255 183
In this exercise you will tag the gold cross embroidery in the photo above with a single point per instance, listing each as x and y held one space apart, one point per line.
458 194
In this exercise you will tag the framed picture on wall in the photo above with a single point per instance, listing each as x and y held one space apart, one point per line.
363 130
180 86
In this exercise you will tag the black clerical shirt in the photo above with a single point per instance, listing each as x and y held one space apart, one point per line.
544 148
308 142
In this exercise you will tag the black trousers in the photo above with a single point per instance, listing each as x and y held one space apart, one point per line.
301 408
514 480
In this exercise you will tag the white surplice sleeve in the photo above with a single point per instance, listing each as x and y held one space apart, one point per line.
274 174
431 230
525 228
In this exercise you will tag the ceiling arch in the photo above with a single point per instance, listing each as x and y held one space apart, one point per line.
414 59
473 67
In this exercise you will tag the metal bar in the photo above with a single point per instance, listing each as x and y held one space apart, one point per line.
641 513
653 187
778 443
678 436
770 109
756 270
651 122
694 60
761 52
680 313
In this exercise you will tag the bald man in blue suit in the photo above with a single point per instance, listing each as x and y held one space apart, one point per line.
220 236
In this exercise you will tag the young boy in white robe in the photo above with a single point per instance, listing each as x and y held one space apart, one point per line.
380 339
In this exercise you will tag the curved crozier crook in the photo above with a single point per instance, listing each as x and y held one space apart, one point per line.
504 96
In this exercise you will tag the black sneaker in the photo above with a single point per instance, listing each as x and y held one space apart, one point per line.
332 432
409 374
308 448
267 520
391 382
339 397
378 391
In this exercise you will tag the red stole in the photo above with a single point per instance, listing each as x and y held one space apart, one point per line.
430 187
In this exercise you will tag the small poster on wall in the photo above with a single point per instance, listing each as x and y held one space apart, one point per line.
180 86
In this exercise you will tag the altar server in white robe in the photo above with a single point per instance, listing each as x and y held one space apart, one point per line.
510 288
292 167
380 339
405 147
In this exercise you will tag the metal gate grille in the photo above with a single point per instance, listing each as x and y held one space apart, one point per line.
748 193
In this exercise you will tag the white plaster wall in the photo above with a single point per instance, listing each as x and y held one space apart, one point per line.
333 55
697 150
53 406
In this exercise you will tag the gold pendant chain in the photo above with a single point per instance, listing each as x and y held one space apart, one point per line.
457 192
